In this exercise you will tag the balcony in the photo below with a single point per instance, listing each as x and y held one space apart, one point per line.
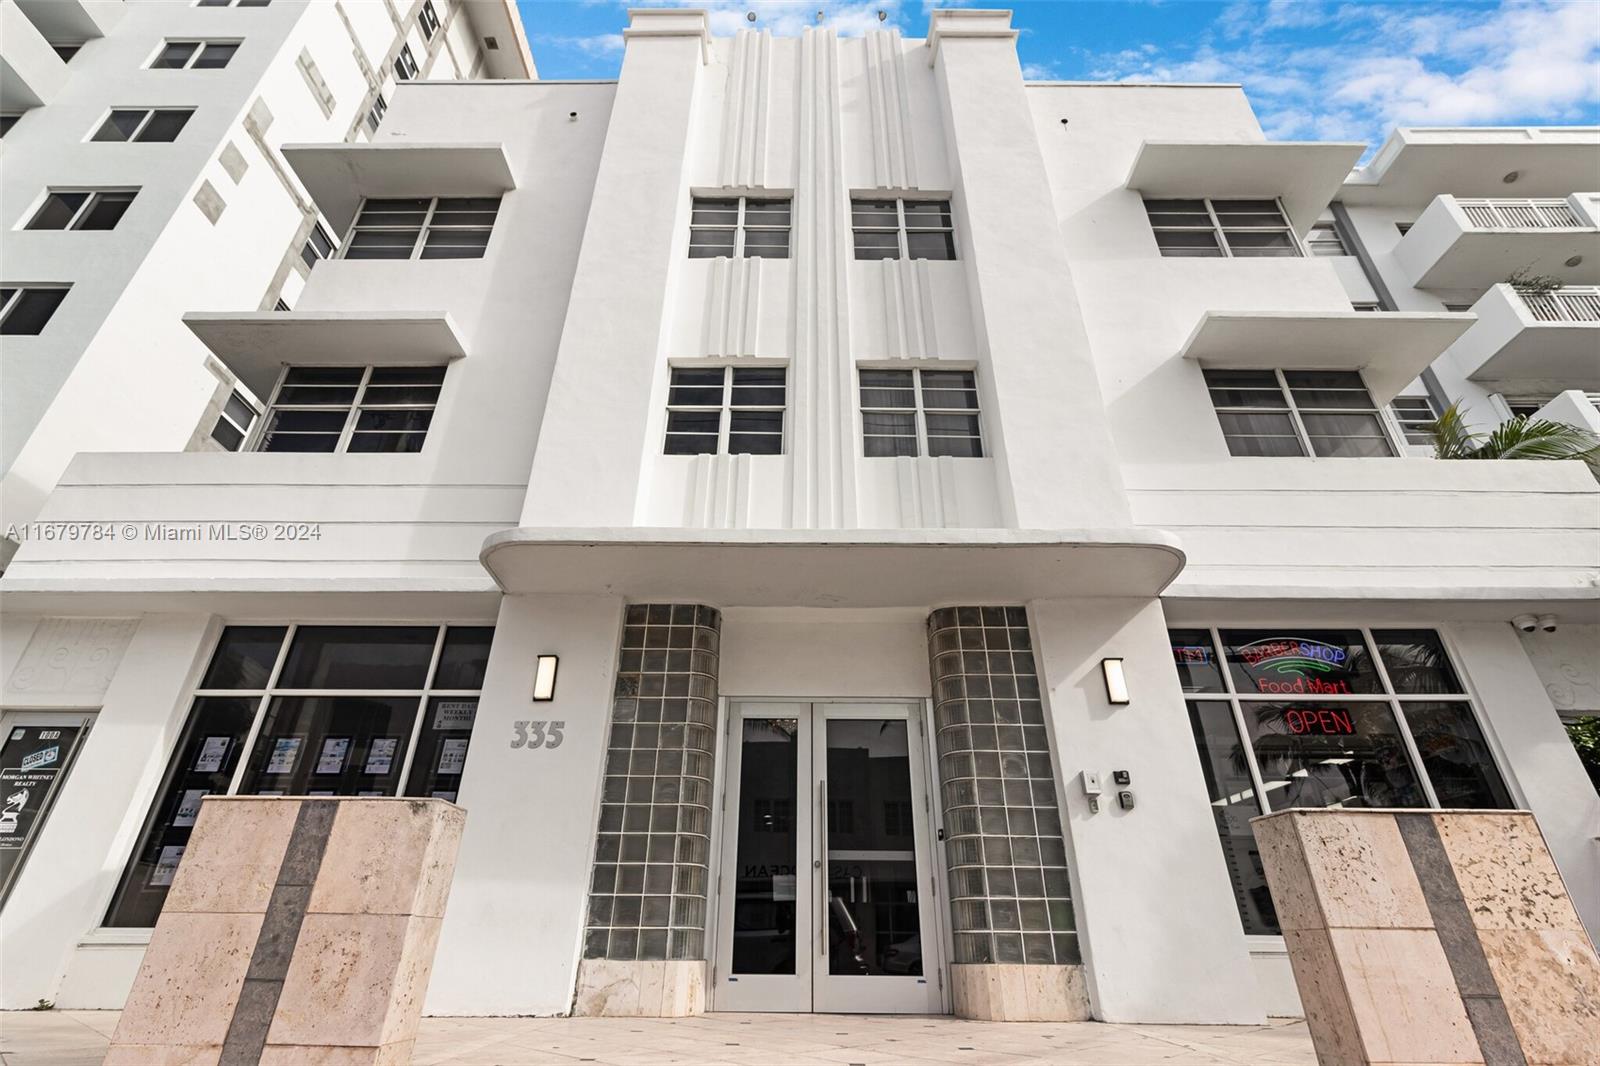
1416 162
1463 244
30 71
1522 338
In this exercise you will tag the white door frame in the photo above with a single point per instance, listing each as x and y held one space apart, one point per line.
811 988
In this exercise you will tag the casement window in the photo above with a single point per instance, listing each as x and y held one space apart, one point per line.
405 64
726 410
428 19
1242 229
143 124
903 229
24 311
194 55
1324 240
352 409
739 227
380 107
311 710
82 209
1325 413
318 246
1327 718
233 426
447 227
1414 414
920 412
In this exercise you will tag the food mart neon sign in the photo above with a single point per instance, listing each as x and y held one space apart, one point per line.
1296 662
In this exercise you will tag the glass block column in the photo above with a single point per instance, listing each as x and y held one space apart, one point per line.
647 896
1010 898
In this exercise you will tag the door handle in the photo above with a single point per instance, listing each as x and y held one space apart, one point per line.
822 888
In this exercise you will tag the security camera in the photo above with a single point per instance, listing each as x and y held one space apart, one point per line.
1547 622
1525 622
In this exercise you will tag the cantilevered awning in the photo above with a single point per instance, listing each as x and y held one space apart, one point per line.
339 176
1306 175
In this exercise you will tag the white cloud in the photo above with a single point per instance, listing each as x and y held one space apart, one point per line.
1040 72
787 18
601 44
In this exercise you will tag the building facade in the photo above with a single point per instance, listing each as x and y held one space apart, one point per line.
151 131
855 530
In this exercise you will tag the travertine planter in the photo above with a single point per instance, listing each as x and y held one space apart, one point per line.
613 988
1432 937
1004 992
297 931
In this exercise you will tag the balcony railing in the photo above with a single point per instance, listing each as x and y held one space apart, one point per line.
1521 214
1571 303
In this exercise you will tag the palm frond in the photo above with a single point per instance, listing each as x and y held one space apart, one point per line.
1516 438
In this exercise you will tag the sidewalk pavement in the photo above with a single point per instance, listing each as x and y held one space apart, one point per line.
79 1038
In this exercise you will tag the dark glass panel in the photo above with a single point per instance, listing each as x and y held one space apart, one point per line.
1456 757
764 931
1331 755
376 658
1233 804
330 745
57 210
244 657
1195 658
1417 662
464 658
441 755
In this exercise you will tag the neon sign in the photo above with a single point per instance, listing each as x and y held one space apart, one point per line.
1296 662
1319 721
1191 654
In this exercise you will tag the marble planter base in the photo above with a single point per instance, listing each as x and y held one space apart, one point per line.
1006 992
1431 937
297 931
610 988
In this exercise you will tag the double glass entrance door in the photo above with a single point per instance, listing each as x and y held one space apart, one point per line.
826 894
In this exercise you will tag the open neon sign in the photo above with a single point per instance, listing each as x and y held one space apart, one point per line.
1319 721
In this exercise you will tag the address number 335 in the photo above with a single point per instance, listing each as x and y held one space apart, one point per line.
537 734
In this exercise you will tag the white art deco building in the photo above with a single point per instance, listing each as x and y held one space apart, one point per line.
855 530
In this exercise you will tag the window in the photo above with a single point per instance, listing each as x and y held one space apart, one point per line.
1370 306
405 64
318 246
739 226
1525 406
1245 229
86 209
281 305
428 19
1324 240
194 55
1403 227
233 3
24 312
1414 415
143 124
450 227
66 50
233 425
1326 413
352 409
726 410
903 229
334 711
380 107
920 412
1351 718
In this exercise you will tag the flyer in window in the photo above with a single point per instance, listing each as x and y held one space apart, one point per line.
454 714
285 752
212 751
189 807
334 750
166 866
380 759
453 755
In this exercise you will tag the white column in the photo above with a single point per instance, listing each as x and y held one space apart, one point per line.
514 925
1161 937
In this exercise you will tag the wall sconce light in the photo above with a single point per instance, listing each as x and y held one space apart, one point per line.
544 678
1116 681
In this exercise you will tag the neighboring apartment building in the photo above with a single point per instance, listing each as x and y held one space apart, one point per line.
150 130
856 531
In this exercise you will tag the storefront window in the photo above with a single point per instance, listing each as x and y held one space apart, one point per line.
335 711
1346 718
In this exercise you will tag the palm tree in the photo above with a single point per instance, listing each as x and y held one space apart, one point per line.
1516 438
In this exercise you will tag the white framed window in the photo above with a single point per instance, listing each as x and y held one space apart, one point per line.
739 227
1324 240
1525 406
405 64
1369 306
25 310
82 209
380 107
311 710
318 246
726 410
1205 228
233 426
444 227
902 228
143 124
920 412
1325 413
1414 414
428 19
194 55
351 409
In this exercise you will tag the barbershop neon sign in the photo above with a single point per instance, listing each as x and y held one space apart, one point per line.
1292 666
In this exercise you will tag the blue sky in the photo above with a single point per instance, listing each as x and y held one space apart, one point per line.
1343 69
